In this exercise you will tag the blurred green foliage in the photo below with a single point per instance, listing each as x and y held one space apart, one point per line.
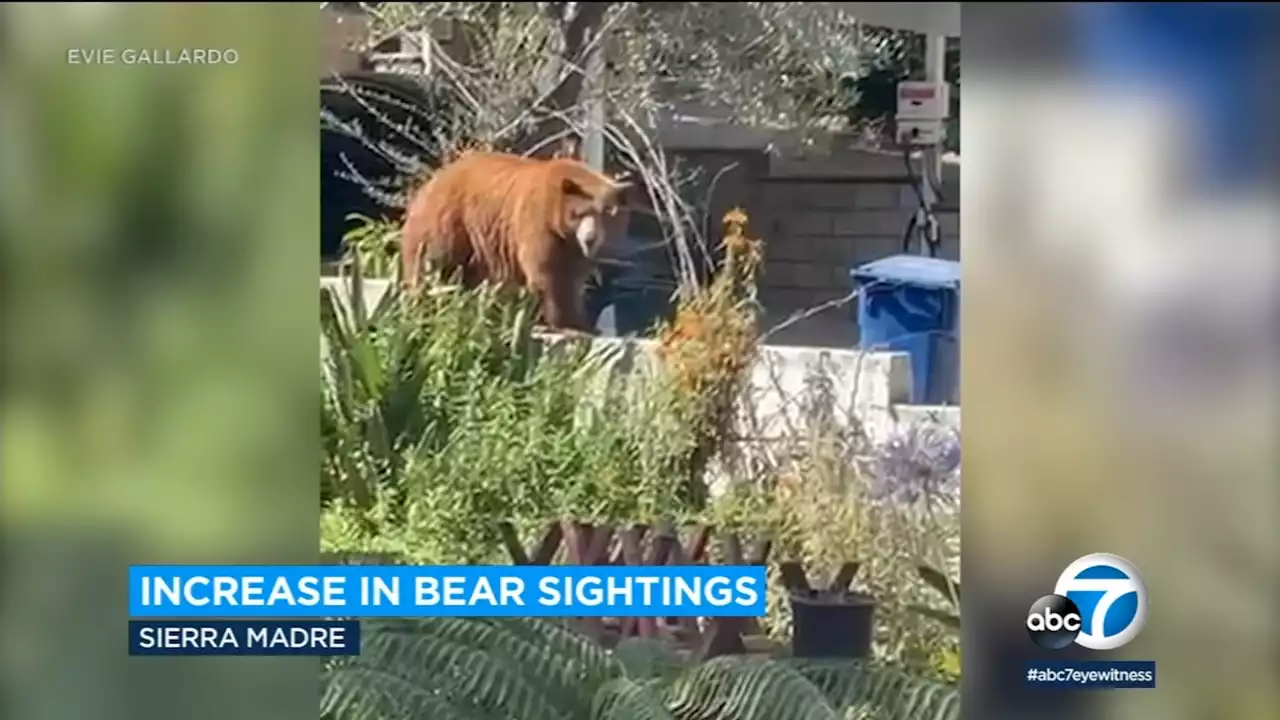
157 231
1119 361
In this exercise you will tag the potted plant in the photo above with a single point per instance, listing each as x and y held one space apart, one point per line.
833 622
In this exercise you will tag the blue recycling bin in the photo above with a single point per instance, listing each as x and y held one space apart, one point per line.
911 304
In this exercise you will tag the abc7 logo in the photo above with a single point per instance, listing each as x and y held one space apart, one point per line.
1115 616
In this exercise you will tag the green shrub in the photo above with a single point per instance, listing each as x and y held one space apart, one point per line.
443 414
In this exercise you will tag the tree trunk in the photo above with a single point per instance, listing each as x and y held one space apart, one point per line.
577 24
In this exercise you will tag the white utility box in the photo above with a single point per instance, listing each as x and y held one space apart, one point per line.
923 100
918 133
923 108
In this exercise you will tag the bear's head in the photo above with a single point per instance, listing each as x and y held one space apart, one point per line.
595 207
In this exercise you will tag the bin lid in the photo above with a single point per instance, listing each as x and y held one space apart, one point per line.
915 270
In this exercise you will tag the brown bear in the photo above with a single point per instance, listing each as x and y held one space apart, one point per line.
509 219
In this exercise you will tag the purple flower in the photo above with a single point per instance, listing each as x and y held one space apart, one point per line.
920 460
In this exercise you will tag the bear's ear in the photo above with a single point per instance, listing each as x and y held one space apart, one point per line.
612 191
573 187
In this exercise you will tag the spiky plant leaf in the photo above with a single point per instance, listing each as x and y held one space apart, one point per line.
365 390
950 589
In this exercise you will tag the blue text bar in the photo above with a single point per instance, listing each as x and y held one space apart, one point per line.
282 591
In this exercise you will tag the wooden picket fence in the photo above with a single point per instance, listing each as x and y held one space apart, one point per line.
578 543
639 544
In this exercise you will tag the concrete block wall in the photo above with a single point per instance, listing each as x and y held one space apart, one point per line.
341 32
820 216
817 231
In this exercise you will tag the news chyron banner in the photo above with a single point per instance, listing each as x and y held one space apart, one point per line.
316 610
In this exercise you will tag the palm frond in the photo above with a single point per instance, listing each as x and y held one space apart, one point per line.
649 659
553 647
358 691
630 699
461 663
748 688
887 692
533 669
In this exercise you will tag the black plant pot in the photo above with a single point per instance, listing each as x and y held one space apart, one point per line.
831 625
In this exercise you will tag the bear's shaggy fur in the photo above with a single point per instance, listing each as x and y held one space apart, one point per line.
514 220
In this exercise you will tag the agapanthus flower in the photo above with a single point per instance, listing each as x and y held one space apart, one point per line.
917 461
